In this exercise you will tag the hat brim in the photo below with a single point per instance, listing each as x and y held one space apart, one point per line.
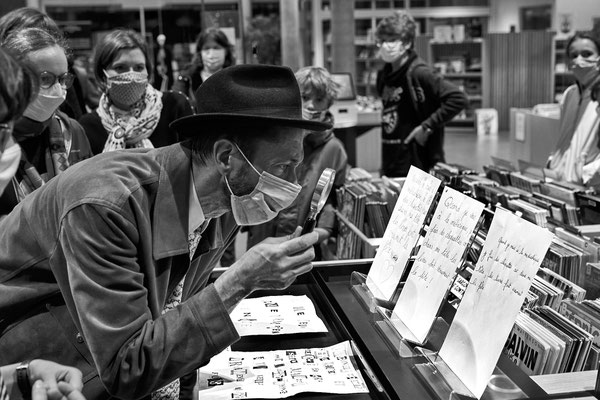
190 126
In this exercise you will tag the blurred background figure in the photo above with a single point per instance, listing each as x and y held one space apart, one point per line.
50 140
163 77
131 113
213 53
321 150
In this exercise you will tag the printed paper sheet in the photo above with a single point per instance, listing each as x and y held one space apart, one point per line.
511 255
436 264
280 374
402 233
276 315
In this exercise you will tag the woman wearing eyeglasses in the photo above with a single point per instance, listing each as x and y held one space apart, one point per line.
131 113
49 139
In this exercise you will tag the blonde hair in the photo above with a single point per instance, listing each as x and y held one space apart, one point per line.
317 81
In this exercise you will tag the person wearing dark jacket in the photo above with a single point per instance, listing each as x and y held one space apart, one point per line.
131 113
417 101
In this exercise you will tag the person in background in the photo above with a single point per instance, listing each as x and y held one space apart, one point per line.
417 101
213 53
321 150
576 157
27 17
50 141
131 113
114 278
40 379
163 77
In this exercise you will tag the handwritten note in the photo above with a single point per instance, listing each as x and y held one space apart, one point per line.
436 264
510 258
279 374
276 315
402 233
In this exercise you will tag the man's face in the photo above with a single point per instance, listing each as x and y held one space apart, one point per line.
278 156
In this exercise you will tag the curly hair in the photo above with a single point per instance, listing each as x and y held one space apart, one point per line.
399 25
317 81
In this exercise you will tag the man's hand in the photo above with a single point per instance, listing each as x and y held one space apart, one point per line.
54 381
272 264
417 134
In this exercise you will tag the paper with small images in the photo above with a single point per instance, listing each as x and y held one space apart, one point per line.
276 315
511 255
402 232
282 373
436 264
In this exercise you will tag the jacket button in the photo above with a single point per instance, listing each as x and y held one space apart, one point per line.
79 338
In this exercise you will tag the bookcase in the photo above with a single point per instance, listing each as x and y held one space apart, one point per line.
461 64
563 77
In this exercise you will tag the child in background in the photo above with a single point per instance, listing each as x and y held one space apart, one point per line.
321 150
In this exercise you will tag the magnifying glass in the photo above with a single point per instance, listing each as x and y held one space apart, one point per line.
319 197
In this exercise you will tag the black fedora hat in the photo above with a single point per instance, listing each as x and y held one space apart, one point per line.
247 94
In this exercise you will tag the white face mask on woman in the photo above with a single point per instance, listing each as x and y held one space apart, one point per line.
9 162
584 70
46 103
253 209
392 51
213 59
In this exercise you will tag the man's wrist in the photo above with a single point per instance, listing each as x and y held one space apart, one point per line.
23 381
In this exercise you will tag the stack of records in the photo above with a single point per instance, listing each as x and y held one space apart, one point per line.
547 294
451 174
563 191
590 208
558 209
520 180
468 183
544 342
586 315
529 211
567 260
570 289
592 280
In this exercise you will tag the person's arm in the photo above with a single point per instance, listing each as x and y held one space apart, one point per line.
107 282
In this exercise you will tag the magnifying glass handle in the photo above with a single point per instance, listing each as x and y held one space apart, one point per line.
309 225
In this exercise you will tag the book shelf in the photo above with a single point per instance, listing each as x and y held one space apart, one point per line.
461 64
563 77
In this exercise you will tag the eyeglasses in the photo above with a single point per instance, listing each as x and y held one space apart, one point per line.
48 79
380 43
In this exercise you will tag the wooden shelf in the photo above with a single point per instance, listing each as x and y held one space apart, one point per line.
462 75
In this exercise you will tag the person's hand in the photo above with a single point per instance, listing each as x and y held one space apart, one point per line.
274 263
417 134
54 381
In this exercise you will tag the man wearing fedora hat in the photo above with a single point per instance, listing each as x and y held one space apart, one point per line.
106 266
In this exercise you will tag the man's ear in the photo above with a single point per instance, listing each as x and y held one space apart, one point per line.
223 149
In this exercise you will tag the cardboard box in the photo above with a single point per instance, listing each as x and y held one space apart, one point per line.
532 137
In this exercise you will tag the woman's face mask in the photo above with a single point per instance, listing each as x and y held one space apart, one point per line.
126 88
253 209
584 58
46 103
213 59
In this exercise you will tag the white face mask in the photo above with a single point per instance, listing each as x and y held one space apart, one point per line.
46 103
392 51
213 59
252 209
313 115
584 70
9 162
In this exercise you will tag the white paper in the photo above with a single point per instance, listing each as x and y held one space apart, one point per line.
281 373
510 258
520 126
402 232
276 315
436 264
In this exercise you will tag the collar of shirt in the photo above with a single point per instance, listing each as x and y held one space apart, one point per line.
196 217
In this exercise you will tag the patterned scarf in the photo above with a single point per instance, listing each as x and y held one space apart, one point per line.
131 129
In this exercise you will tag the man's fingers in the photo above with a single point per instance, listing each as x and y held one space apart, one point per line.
69 391
296 245
38 391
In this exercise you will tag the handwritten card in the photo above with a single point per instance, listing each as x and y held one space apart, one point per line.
276 315
402 233
279 374
436 264
511 255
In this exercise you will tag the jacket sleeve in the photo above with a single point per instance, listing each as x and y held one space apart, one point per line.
182 84
134 353
451 99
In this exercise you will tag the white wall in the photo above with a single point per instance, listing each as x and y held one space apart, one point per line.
582 13
504 13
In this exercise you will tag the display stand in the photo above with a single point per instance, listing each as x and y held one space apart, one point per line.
375 305
442 381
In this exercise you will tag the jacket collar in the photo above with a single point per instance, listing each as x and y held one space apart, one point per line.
171 210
